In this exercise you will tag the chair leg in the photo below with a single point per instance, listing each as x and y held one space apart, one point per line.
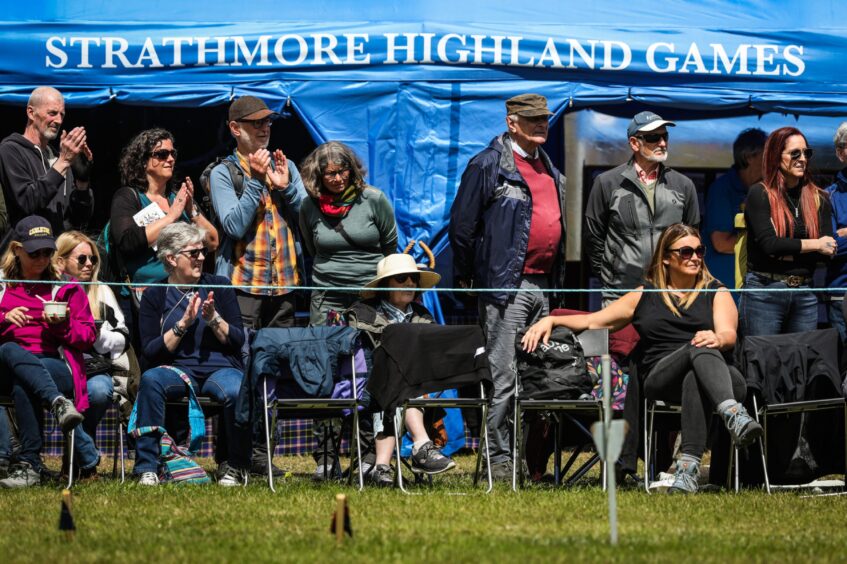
649 413
358 448
557 460
517 450
122 453
69 444
267 433
762 444
399 418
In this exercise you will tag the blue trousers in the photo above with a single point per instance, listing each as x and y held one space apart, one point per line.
160 385
775 313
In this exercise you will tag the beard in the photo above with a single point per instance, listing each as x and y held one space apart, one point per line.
49 134
654 157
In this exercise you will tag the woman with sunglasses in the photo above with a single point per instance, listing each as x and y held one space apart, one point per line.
107 363
190 329
371 316
347 226
41 355
147 172
684 329
789 227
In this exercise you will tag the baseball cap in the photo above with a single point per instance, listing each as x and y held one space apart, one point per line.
249 107
33 233
528 105
646 121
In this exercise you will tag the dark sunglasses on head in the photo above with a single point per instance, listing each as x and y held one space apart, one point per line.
401 278
163 154
795 154
82 259
194 254
40 253
685 253
653 137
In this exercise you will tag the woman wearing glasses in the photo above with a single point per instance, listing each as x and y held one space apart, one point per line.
41 355
77 256
189 329
789 227
347 226
149 201
371 316
684 331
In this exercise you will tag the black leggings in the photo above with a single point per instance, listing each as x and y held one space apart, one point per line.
698 379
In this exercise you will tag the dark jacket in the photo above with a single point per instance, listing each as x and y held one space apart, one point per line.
418 358
621 230
364 316
490 220
32 186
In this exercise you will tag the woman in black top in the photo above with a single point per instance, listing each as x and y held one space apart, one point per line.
683 331
789 226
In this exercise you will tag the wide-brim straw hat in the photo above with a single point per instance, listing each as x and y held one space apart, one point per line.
395 264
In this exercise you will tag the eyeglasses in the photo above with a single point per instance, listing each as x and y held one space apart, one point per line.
194 254
163 154
685 253
653 137
401 278
795 154
40 253
343 172
257 123
82 259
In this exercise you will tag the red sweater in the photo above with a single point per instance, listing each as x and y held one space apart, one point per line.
545 230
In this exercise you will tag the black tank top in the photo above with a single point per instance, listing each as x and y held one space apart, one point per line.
661 332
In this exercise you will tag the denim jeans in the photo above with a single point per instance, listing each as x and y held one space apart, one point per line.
775 313
37 381
501 324
5 435
160 385
100 393
836 318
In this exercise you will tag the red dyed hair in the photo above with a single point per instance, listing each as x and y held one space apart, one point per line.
774 183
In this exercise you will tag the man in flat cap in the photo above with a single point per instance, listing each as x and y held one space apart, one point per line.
256 194
630 205
507 231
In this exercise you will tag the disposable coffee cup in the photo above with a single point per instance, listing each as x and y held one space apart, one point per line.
56 309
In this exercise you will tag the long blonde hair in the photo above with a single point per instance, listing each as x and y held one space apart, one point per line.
11 269
65 244
658 273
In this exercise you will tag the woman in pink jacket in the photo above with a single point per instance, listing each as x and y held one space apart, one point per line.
40 354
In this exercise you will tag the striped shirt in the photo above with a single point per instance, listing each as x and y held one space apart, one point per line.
395 314
268 257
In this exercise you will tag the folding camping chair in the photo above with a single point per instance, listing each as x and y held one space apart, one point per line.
314 405
594 342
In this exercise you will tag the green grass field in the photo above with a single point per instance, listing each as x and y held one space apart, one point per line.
129 523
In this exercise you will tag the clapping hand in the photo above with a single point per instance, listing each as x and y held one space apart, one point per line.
208 308
278 174
191 311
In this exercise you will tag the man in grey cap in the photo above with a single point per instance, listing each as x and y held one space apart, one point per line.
507 231
256 195
630 205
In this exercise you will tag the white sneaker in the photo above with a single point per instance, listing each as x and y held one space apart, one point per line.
233 477
148 479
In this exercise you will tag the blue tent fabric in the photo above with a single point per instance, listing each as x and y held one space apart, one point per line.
415 116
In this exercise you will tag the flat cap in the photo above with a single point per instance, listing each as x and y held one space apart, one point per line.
528 105
249 107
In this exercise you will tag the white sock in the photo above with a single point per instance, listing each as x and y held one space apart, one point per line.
726 405
418 444
56 400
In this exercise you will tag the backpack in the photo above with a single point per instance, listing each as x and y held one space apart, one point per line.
205 202
111 267
553 371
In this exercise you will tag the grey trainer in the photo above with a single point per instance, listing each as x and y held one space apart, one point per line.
686 478
743 428
66 414
22 476
381 476
429 460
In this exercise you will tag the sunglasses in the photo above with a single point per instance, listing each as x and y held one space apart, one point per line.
82 259
796 153
257 123
401 278
341 172
685 253
653 137
163 154
40 253
194 254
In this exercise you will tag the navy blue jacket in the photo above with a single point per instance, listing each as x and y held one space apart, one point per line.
837 269
490 221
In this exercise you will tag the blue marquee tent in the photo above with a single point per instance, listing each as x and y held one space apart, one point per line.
418 88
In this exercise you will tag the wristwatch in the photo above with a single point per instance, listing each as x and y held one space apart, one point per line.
215 321
177 331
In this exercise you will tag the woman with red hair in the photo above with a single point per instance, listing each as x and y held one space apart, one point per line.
789 225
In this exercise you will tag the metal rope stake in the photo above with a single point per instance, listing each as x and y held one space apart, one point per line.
608 438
